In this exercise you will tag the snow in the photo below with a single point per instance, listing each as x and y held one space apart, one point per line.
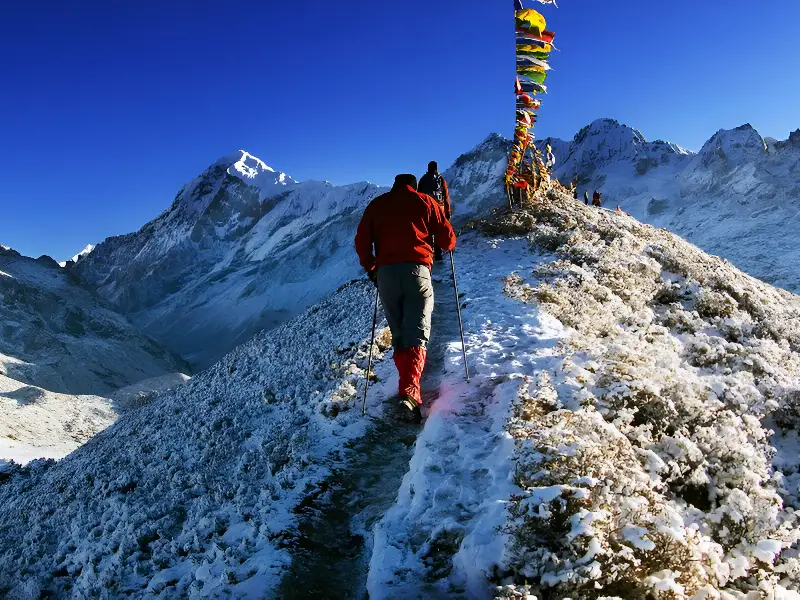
21 453
256 172
144 391
37 423
205 478
79 255
660 398
251 170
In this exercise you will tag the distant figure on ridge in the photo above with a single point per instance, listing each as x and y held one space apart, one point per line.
596 200
586 197
435 186
401 226
551 159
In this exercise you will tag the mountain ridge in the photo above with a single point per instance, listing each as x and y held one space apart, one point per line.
58 335
233 230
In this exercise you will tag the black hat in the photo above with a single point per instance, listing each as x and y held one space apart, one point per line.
433 166
405 179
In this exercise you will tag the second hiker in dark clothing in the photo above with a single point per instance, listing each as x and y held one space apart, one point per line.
435 186
401 225
586 197
596 199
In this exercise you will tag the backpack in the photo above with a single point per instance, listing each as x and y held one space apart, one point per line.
431 184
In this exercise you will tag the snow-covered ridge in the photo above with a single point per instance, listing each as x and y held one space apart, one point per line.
660 456
735 198
78 256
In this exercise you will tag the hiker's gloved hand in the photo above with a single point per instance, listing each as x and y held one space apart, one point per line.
373 276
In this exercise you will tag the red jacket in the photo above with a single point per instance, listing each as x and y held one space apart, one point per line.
401 224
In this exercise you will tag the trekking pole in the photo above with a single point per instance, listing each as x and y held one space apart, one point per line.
458 309
369 364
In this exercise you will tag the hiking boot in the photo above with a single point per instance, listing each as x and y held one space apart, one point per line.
408 410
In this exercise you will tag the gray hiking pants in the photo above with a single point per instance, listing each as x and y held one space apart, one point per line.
407 296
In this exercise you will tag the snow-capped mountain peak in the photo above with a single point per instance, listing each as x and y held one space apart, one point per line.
250 166
254 171
606 144
79 255
733 146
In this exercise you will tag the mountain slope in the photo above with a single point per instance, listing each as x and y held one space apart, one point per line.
235 254
736 198
232 255
37 423
57 335
615 439
194 493
475 179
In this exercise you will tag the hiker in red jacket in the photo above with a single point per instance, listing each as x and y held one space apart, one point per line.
401 225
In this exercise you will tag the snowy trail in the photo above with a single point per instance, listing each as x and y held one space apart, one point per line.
410 512
441 538
337 518
334 521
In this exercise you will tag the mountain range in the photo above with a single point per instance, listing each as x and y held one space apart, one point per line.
738 197
244 247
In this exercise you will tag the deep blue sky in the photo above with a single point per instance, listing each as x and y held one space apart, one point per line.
107 108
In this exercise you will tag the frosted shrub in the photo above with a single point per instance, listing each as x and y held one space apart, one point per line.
549 238
520 592
715 304
649 457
